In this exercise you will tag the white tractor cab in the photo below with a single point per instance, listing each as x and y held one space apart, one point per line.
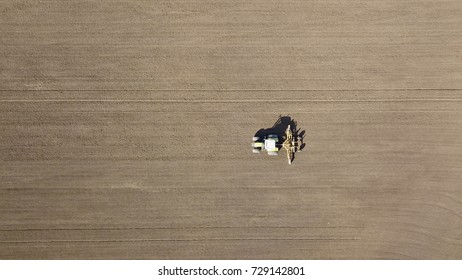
268 143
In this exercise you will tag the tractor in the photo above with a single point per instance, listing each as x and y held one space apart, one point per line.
272 144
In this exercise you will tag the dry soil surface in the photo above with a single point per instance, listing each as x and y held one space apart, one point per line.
125 129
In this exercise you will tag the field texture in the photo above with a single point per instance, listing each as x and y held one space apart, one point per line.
125 129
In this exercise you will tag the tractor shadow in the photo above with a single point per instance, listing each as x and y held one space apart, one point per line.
279 128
